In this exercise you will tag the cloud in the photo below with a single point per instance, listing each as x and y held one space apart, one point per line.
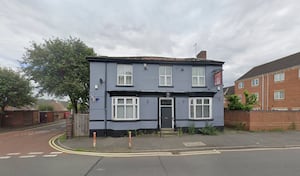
241 33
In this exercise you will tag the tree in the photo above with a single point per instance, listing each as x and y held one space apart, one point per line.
15 90
236 104
60 68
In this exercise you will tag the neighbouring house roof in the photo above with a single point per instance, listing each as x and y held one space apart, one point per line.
228 90
57 105
279 64
153 59
23 108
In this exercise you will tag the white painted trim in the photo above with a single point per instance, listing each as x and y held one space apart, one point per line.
165 75
124 75
202 98
133 104
172 106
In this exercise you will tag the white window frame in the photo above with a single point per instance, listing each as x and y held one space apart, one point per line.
279 77
299 73
164 76
255 82
279 95
241 85
135 106
124 71
193 102
199 75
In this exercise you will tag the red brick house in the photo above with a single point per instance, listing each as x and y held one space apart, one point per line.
276 84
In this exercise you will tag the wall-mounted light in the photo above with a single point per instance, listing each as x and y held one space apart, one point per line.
96 86
145 66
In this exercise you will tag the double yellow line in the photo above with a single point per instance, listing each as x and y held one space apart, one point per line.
123 155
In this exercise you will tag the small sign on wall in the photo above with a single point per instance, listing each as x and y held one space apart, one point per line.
218 78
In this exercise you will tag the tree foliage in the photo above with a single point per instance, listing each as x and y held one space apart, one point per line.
60 68
15 90
236 104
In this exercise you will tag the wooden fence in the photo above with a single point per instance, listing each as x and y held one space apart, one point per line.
81 125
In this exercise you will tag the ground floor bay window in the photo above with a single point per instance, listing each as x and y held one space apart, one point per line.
125 108
200 108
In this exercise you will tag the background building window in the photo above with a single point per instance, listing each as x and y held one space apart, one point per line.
125 108
200 108
165 75
254 82
278 77
198 76
279 95
241 85
124 73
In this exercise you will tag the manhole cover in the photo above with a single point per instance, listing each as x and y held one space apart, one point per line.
194 144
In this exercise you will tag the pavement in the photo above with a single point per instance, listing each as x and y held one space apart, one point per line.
155 145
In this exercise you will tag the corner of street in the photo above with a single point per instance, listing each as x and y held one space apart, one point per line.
153 145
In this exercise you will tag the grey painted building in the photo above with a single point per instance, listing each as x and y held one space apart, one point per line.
150 93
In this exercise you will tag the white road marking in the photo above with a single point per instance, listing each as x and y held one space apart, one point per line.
194 144
55 153
49 156
27 156
35 153
5 157
206 152
13 154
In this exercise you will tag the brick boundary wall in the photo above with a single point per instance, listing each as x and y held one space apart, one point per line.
263 120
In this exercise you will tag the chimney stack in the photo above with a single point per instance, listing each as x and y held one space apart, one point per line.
201 55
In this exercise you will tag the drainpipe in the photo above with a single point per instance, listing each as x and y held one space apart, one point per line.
262 92
105 100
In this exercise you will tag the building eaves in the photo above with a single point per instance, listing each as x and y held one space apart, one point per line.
154 60
276 65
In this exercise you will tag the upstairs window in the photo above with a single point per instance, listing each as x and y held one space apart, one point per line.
254 82
241 85
279 95
278 77
198 76
165 76
124 73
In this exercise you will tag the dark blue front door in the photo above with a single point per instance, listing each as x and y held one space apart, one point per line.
166 112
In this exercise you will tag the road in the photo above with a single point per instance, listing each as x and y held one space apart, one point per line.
40 160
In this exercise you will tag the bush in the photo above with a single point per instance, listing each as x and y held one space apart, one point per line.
209 129
191 129
236 104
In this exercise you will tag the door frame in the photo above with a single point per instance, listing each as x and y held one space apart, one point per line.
160 106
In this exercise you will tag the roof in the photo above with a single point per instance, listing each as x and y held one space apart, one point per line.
279 64
228 90
154 59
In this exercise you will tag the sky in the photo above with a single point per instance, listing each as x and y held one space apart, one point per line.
243 34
